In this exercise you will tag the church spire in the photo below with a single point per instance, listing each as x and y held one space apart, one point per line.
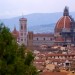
66 11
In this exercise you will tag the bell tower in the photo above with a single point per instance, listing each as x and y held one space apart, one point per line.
23 31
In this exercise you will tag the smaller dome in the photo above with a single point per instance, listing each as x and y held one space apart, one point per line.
15 33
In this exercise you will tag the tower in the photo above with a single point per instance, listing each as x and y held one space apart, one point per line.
30 40
23 31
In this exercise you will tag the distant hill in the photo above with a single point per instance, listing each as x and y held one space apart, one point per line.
37 22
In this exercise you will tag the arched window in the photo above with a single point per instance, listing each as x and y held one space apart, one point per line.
37 38
21 27
51 39
43 38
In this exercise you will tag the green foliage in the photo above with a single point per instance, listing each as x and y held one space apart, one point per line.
14 59
29 58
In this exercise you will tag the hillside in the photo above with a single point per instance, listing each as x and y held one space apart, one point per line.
37 22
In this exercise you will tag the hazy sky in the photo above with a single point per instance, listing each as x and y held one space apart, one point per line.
11 8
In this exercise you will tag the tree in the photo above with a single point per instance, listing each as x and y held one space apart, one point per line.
14 59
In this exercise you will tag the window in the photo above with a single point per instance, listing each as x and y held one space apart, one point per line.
21 27
21 39
51 39
37 38
43 38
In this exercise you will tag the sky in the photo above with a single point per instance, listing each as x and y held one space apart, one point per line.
13 8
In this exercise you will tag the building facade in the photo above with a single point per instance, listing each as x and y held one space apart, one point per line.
30 39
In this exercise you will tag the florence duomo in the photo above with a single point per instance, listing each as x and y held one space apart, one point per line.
54 52
39 42
64 33
65 29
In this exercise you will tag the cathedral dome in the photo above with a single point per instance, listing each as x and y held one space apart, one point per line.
64 21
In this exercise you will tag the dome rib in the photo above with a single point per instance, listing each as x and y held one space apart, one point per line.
64 21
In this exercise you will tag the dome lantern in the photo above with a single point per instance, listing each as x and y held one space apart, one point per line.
66 11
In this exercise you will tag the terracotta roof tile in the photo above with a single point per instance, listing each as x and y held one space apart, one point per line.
59 39
53 73
63 22
43 35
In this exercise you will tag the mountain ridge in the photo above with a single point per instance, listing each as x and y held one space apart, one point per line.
36 22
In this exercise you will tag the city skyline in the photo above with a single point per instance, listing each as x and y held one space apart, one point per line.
13 8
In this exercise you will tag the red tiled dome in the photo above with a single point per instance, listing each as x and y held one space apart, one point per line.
63 22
